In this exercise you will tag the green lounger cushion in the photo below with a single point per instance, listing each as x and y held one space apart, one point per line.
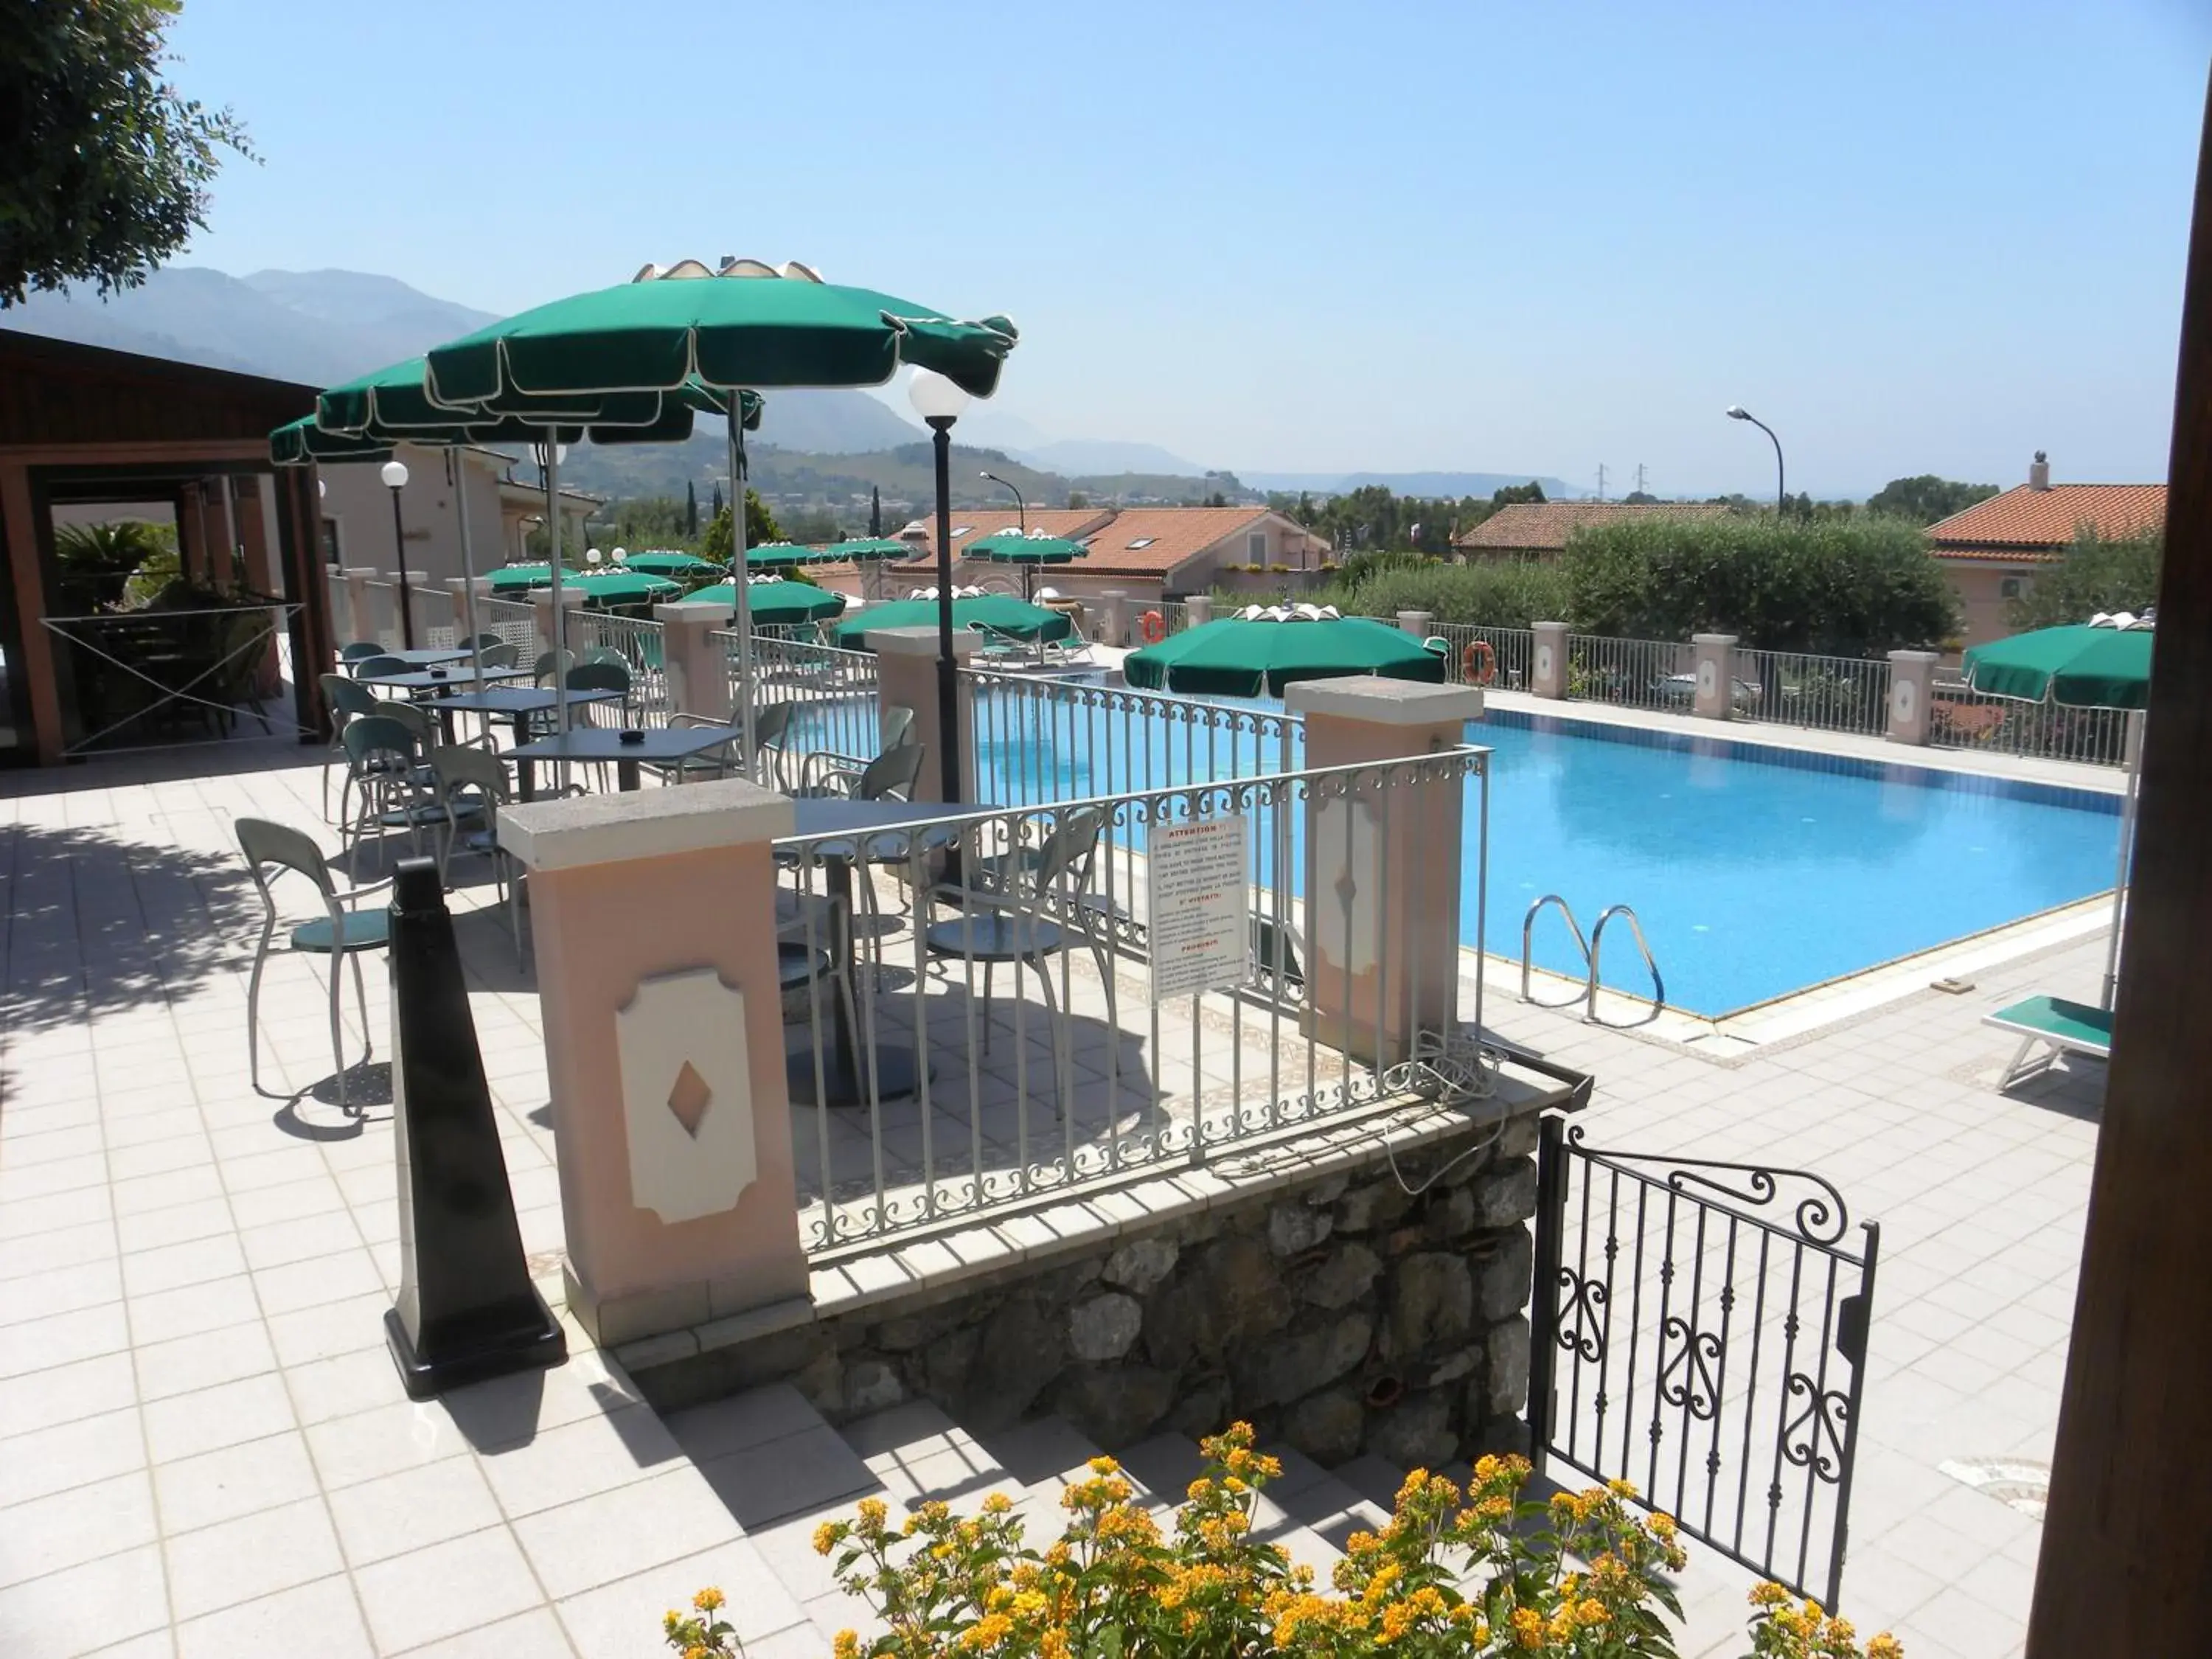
2075 1025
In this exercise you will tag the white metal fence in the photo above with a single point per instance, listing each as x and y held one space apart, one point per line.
975 1030
1825 693
833 694
1488 656
1632 673
1043 740
1959 718
596 637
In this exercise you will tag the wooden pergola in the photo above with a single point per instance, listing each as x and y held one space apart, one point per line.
82 424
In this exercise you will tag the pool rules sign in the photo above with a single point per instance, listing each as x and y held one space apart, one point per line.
1197 875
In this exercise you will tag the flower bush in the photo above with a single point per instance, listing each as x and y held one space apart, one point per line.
1482 1572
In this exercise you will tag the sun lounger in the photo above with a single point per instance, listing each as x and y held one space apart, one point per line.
2057 1027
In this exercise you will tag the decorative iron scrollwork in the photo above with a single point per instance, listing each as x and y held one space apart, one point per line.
1814 1438
1689 1378
1582 1308
1821 1216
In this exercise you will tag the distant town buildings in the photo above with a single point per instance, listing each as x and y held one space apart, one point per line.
1539 529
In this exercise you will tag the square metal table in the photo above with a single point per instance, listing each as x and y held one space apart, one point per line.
518 703
661 744
430 656
845 1072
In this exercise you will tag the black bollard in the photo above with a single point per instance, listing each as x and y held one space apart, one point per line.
466 1311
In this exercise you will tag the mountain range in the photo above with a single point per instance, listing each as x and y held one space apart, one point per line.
318 327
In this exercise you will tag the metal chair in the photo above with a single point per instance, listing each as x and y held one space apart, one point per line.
359 652
383 758
551 662
371 667
826 772
472 785
345 700
771 730
339 932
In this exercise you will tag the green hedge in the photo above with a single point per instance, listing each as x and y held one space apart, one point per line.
1503 595
1841 587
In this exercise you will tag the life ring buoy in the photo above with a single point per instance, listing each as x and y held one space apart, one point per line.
1153 627
1478 664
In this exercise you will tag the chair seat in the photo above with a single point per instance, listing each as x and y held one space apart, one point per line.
796 967
359 930
429 812
994 937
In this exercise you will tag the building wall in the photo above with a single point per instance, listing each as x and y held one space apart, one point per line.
1980 586
355 498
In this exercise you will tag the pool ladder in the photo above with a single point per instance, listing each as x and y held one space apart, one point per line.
1590 948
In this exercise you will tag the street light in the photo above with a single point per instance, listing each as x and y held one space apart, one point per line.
1020 506
394 475
938 402
1738 412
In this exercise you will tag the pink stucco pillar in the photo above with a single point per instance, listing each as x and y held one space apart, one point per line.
1383 862
654 925
697 668
906 676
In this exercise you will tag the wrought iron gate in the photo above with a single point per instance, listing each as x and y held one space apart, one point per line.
1697 1332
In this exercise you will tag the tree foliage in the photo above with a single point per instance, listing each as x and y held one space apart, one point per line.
1507 594
107 163
1927 498
761 528
1838 587
2096 573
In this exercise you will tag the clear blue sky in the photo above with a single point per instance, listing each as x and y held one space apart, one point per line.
1912 237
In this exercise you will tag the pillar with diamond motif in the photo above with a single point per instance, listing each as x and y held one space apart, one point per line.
653 918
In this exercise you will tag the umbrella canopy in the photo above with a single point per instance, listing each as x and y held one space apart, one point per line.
522 578
614 587
868 550
2087 666
395 402
774 604
298 442
1245 656
779 556
1001 613
677 567
1011 547
747 324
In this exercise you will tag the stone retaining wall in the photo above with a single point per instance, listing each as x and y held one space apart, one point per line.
1344 1315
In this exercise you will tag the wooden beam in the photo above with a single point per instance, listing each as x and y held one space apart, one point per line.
18 532
300 549
2127 1545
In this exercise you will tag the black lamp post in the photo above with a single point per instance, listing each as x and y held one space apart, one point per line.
395 476
1738 412
938 402
1020 506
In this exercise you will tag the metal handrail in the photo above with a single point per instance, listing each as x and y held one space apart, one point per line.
1527 935
1597 945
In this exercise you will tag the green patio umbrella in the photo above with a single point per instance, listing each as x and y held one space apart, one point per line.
524 578
677 567
744 325
1011 547
778 555
394 403
2103 663
1002 613
609 588
773 605
872 554
1246 656
297 443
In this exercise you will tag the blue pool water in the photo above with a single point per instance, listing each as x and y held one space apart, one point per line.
1754 879
1755 871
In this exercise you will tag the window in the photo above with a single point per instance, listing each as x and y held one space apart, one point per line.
1255 547
332 551
1142 541
2011 587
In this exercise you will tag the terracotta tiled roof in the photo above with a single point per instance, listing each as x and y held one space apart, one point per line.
1172 535
1543 526
2041 521
971 524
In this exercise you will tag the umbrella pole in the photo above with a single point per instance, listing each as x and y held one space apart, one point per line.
740 574
459 478
2126 854
553 558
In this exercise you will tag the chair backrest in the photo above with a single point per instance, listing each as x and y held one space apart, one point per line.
890 775
347 697
599 676
264 843
360 649
485 642
898 727
369 667
502 655
1068 850
378 735
413 716
772 725
458 768
549 661
606 653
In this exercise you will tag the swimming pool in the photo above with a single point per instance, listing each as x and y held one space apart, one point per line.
1756 871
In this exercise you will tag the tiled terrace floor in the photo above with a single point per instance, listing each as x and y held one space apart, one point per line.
203 1448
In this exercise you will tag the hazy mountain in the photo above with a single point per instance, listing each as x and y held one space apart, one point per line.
1094 457
829 423
1412 484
